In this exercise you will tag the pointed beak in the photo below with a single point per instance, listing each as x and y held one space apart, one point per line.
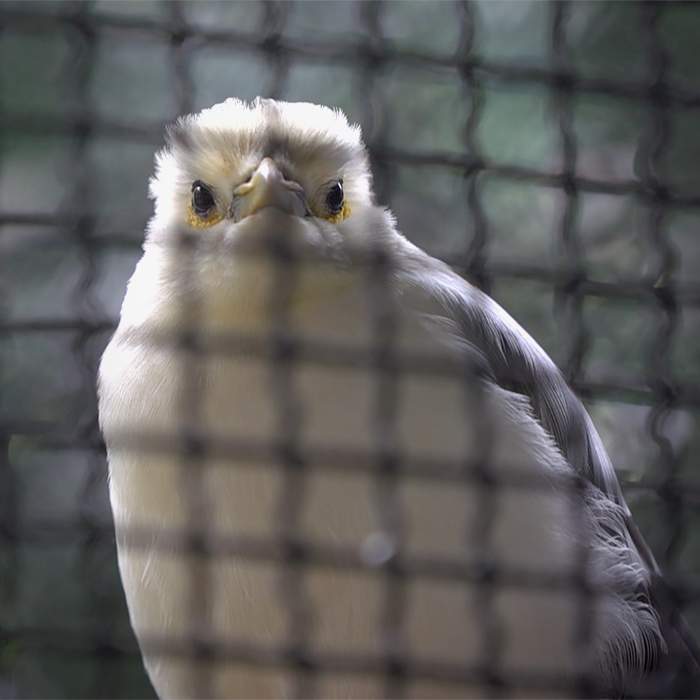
267 187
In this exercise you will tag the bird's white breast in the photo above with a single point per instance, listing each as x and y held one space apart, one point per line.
239 402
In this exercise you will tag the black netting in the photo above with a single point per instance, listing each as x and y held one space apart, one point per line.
546 151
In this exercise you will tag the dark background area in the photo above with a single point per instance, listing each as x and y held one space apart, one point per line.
550 152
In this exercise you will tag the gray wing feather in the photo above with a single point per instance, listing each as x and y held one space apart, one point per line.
516 362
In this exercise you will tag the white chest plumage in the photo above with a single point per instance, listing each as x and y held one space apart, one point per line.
239 405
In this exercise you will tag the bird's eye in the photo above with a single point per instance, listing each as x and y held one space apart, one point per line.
202 198
334 198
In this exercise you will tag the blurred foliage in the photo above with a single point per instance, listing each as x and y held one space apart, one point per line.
47 378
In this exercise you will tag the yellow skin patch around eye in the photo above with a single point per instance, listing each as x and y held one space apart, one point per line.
197 221
340 216
214 217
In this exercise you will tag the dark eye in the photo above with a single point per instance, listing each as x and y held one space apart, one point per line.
334 198
202 198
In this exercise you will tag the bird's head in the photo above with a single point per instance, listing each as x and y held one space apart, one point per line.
240 176
236 160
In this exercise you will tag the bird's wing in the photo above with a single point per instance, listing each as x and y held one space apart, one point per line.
516 362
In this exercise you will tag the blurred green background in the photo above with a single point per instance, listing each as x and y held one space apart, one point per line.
114 63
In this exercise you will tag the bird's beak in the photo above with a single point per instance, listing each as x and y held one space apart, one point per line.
267 187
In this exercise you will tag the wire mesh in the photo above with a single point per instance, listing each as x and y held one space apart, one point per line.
89 649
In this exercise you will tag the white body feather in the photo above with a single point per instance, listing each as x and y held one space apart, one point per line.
142 385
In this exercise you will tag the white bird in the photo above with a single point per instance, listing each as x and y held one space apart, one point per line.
288 375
